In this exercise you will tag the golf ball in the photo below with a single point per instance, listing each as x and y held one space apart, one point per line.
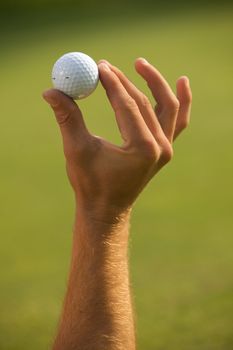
75 74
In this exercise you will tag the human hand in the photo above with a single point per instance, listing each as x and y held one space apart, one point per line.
107 178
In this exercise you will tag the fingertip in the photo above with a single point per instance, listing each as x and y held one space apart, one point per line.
182 84
108 77
46 95
54 97
51 96
103 61
184 92
184 80
103 67
140 62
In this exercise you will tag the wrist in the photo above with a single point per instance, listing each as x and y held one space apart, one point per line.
99 224
99 240
102 213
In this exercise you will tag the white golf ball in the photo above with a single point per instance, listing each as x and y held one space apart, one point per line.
75 74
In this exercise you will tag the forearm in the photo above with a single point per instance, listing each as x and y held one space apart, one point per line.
97 310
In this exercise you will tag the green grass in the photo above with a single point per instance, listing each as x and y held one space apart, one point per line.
181 242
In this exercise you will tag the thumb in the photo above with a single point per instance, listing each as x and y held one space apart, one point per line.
67 113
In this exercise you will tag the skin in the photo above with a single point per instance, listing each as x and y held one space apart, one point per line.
107 179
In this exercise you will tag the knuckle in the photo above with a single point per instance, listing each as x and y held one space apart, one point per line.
63 116
127 104
145 101
148 150
130 103
114 85
183 124
166 152
173 105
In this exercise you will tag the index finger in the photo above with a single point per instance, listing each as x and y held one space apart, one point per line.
129 119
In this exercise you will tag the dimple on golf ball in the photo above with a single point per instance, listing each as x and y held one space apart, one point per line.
76 74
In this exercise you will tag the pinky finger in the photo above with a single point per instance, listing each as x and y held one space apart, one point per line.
184 95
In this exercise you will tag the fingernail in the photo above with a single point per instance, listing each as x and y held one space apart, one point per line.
104 66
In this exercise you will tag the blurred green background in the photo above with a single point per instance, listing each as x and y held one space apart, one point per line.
181 240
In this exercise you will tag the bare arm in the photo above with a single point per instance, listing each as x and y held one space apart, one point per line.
106 180
97 311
